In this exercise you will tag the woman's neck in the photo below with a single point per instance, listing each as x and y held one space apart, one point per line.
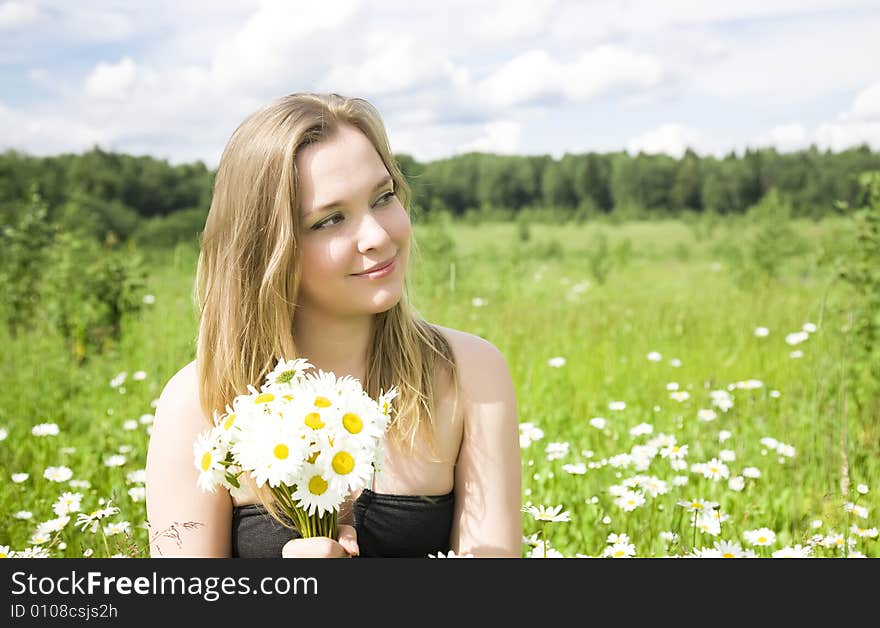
337 345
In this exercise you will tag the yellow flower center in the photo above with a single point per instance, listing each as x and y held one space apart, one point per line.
697 506
317 485
322 402
265 397
352 423
762 539
227 424
313 420
2 555
206 462
288 397
343 463
727 555
281 451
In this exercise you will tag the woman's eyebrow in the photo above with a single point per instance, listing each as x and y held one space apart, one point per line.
334 204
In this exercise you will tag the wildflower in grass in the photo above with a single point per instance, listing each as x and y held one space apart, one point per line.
796 354
855 509
18 478
642 455
118 527
23 515
5 552
478 302
80 484
556 362
33 552
655 486
785 450
67 503
575 469
620 461
816 524
619 550
727 455
715 470
672 386
598 422
629 500
115 460
675 363
760 537
705 552
641 429
130 425
668 537
149 299
762 332
145 419
139 376
606 520
680 395
721 399
749 384
617 538
680 480
796 338
769 442
865 533
834 540
617 405
698 505
548 515
58 474
729 549
119 380
555 451
792 552
775 394
862 489
138 476
855 554
707 524
736 483
544 550
752 473
706 415
653 356
809 328
45 429
92 520
3 433
674 452
528 434
724 435
137 493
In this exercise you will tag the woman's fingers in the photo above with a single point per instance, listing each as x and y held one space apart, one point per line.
348 539
313 547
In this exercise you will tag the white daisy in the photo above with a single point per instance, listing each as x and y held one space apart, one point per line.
315 493
45 429
58 474
556 362
551 514
761 536
18 478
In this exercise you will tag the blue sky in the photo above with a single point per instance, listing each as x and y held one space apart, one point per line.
173 79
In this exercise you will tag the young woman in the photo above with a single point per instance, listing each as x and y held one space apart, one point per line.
305 254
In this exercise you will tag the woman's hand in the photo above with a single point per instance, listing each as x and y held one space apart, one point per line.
324 547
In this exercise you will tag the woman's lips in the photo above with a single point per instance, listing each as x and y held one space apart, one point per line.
380 272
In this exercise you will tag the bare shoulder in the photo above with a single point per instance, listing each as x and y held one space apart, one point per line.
179 410
481 365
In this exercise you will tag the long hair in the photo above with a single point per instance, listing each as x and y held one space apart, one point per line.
249 269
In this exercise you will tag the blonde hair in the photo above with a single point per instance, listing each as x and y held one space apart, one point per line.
249 269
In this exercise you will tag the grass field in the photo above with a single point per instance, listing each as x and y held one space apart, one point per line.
643 400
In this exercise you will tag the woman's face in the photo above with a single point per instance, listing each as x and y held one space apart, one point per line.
350 222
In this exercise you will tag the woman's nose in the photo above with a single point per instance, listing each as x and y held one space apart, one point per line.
372 234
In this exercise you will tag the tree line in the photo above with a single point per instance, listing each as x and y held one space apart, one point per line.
123 196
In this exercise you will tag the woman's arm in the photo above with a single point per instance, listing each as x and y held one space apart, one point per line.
184 520
488 482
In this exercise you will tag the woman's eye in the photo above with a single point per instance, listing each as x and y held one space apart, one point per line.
327 222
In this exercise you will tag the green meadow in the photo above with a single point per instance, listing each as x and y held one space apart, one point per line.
681 388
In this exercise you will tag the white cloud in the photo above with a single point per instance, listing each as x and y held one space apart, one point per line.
672 139
535 75
784 137
111 80
859 125
500 136
17 14
518 19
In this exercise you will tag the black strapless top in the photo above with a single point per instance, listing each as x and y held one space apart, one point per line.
392 526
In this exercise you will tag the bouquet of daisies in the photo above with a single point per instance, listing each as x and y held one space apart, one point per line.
312 437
